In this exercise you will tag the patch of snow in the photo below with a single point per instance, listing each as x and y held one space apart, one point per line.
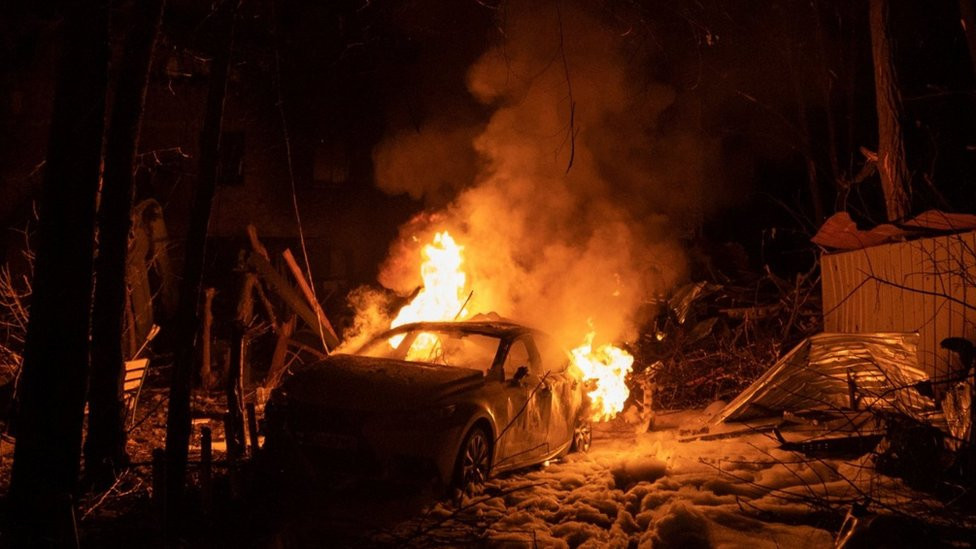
650 490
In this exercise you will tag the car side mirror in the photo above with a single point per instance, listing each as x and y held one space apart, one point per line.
520 374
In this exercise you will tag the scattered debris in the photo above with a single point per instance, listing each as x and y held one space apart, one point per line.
712 340
816 373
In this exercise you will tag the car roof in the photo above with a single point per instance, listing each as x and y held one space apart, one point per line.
498 328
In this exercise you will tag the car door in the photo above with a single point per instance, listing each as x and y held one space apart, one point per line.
522 429
560 399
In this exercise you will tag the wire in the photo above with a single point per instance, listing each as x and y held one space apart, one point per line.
291 170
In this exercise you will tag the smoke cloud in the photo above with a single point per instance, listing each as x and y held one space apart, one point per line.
571 197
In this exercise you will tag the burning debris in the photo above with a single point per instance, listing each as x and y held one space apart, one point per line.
607 367
442 295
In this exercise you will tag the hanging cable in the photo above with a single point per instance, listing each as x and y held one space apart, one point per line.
291 173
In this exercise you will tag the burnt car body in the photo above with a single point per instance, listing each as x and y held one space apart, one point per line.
462 399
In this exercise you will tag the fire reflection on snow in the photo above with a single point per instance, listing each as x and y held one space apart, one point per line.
650 490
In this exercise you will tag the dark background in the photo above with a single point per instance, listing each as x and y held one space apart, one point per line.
782 87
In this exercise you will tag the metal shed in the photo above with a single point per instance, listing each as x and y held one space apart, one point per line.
924 285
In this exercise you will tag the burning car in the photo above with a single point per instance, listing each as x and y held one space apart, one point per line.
463 400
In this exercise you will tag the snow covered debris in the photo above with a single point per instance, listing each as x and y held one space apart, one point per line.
650 490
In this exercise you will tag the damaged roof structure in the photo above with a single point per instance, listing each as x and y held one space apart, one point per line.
838 371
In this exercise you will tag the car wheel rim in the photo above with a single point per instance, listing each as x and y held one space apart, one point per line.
582 437
476 460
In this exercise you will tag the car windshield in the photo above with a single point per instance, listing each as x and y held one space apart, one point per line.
448 347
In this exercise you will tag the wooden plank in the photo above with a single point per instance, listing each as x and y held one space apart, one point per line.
284 290
328 333
252 235
280 353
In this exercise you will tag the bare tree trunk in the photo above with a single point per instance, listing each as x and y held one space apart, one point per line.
186 322
56 352
105 452
813 180
892 165
826 87
967 17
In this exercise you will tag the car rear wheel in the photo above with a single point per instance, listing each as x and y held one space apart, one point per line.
582 436
474 460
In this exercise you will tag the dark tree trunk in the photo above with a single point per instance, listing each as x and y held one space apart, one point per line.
56 352
813 180
826 87
967 18
892 165
235 393
105 452
187 321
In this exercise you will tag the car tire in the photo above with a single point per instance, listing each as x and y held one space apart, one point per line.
473 461
582 436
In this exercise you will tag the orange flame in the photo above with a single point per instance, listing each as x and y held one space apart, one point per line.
607 366
442 296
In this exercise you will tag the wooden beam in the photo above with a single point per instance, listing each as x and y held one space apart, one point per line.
252 235
281 287
328 333
280 352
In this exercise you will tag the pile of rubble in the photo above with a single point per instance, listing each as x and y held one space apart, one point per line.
710 341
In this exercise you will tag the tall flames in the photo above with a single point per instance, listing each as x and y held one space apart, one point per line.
443 297
607 366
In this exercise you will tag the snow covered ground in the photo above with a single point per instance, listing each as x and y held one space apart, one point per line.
651 490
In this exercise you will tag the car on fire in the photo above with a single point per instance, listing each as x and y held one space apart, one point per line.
460 400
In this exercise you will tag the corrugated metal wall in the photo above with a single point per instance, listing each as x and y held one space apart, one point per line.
926 286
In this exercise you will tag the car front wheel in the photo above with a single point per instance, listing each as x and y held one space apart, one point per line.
582 436
473 461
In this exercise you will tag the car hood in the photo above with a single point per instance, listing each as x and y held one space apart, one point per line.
364 383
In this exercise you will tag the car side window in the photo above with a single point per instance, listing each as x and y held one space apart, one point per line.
518 355
554 358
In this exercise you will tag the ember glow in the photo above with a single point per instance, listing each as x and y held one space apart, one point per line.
442 296
607 366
